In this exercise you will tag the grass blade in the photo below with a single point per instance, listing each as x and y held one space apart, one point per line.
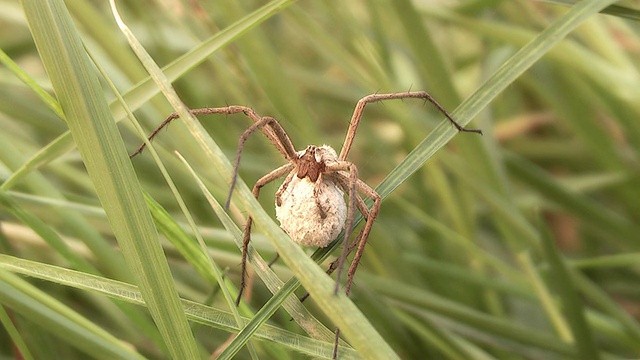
108 166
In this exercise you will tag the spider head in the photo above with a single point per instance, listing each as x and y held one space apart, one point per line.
312 161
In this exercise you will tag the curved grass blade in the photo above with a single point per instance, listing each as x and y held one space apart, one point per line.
196 312
503 77
108 166
146 89
41 308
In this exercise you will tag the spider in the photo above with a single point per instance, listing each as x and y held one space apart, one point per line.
310 203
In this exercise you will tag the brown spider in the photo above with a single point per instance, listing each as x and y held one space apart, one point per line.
310 203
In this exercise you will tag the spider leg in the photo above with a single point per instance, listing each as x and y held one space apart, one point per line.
204 111
316 196
246 237
362 242
353 183
283 188
274 132
259 124
342 181
359 109
273 261
336 341
364 210
334 265
351 211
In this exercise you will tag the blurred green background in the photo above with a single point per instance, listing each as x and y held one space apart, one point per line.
520 244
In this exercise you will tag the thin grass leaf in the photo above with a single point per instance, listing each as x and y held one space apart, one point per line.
147 89
45 232
592 213
622 260
508 73
425 301
433 71
552 309
442 339
32 84
106 161
572 307
598 297
618 10
64 322
196 312
14 334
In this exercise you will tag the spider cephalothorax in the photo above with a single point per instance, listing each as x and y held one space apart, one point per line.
312 161
309 204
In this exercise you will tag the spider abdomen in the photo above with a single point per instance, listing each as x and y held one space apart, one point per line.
312 213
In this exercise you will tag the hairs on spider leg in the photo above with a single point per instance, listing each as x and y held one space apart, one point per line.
459 127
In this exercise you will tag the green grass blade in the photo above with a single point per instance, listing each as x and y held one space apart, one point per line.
196 312
108 166
459 263
425 301
65 323
14 334
507 74
147 89
619 10
608 222
44 96
571 305
10 206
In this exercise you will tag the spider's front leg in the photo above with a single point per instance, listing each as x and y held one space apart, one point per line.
359 110
227 110
246 238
